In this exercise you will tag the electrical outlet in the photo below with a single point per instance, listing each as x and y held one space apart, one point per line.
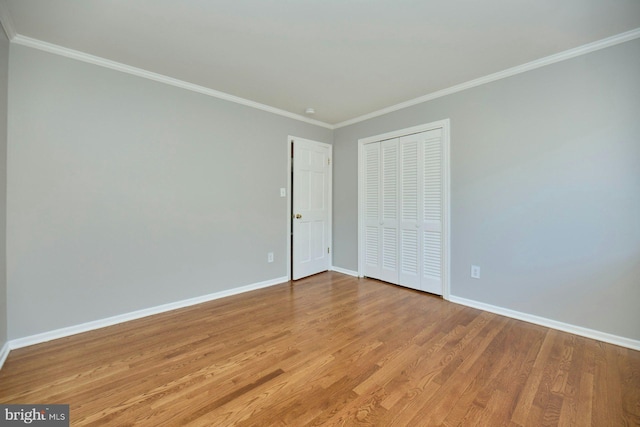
475 271
283 192
270 257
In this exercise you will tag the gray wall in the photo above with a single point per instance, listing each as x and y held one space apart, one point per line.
4 72
545 189
125 193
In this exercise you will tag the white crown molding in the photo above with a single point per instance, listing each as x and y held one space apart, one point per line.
7 24
549 323
97 324
552 59
6 21
107 63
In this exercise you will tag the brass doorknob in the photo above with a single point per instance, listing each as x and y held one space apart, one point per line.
298 216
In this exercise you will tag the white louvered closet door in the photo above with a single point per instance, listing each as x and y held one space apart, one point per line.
381 213
372 220
410 218
432 207
389 214
403 211
421 203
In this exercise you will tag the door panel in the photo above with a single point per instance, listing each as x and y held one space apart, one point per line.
388 212
432 206
381 212
409 212
372 220
311 213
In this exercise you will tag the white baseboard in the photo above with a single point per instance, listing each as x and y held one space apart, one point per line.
553 324
109 321
4 353
89 326
344 271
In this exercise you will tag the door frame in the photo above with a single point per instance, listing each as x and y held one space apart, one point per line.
446 190
290 140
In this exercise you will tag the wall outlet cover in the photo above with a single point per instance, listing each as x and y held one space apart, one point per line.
475 271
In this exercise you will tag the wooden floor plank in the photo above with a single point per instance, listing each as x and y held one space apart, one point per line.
329 350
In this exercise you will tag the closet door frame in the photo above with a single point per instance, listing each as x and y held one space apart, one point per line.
446 253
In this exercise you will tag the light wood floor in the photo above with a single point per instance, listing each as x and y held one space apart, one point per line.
329 350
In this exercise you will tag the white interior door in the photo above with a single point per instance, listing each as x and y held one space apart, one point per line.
311 207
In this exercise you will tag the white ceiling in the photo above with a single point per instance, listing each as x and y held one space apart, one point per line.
345 58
